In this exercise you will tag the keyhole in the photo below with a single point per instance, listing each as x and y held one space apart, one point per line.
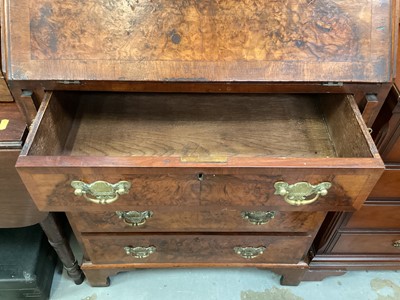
200 176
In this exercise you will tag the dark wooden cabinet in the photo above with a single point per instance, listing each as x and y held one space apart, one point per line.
192 134
370 237
17 208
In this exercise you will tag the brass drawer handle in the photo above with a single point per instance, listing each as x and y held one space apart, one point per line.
140 252
296 194
396 244
134 218
249 252
102 191
258 217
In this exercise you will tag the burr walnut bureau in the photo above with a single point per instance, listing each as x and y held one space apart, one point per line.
198 133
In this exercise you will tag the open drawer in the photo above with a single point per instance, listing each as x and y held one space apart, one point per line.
290 152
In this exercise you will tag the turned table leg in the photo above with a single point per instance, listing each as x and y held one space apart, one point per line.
57 240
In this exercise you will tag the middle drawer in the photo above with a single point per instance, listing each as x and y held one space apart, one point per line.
197 220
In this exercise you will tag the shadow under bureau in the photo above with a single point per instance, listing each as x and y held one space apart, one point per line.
194 180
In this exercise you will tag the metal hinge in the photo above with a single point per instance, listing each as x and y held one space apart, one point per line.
332 83
69 82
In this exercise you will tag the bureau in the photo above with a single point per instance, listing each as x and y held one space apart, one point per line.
187 134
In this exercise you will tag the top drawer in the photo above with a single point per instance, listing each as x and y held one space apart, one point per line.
199 149
188 40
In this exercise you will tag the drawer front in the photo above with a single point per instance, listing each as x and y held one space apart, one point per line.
52 191
388 185
258 190
375 217
196 249
388 243
198 219
228 150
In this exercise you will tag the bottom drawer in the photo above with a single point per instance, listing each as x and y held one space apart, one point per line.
173 248
361 243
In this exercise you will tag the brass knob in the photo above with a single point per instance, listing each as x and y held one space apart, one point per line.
258 217
249 252
296 194
102 191
134 218
140 252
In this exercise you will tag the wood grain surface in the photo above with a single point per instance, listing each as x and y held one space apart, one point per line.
50 187
378 215
388 185
5 95
13 128
16 206
367 243
197 219
196 248
199 127
148 139
330 40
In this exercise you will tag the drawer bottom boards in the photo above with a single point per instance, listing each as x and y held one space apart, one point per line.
175 248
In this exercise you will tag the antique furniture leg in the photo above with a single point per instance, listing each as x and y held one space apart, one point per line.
290 276
99 277
57 240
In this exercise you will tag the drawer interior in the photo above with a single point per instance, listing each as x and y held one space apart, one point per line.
196 126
